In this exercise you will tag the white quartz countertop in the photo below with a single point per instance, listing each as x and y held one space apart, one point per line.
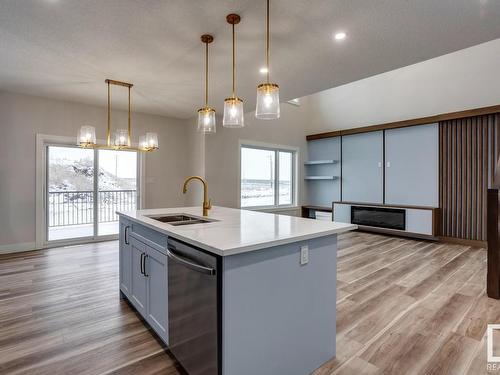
237 231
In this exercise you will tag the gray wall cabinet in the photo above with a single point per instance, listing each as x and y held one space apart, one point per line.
362 172
143 275
412 166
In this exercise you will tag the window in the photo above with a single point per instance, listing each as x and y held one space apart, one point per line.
267 177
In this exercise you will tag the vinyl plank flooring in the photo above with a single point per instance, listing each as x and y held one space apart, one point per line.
403 307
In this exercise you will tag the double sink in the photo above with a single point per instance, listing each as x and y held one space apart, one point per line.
181 219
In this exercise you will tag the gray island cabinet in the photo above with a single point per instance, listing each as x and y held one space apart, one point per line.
258 294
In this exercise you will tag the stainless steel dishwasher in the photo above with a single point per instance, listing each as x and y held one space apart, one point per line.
192 308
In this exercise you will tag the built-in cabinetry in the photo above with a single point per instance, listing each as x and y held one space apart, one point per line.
420 221
393 168
362 167
412 166
322 171
143 274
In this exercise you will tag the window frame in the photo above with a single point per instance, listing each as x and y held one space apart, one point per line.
294 151
43 141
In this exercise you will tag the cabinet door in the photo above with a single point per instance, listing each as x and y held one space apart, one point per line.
156 271
125 263
411 170
138 287
362 172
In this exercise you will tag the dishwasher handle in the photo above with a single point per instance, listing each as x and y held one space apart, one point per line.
189 263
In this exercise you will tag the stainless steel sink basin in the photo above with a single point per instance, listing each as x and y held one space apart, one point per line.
180 219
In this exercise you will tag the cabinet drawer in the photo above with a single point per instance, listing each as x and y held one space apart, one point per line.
150 237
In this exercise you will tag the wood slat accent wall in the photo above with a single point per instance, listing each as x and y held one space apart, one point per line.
468 154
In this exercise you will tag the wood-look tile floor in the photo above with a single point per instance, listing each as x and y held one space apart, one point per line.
404 307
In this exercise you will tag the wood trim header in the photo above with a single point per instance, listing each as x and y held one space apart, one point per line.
412 122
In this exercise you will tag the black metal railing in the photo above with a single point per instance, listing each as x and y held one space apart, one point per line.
77 207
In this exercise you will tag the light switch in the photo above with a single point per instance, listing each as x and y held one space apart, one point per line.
304 255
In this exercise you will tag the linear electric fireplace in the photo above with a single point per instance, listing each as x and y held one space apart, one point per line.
391 218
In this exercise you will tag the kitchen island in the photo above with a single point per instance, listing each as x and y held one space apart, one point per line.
238 292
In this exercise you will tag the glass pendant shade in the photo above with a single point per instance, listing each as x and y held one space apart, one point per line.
148 142
206 120
152 141
268 102
233 113
143 143
86 136
121 138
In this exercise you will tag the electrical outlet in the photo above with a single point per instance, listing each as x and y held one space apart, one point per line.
304 255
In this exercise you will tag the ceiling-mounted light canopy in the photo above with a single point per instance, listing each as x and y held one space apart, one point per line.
206 115
233 106
122 137
268 94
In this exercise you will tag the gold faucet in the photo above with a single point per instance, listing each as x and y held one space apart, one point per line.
207 203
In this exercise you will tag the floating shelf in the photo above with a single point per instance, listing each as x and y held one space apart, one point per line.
320 177
316 162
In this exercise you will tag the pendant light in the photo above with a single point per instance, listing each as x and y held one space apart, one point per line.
268 94
206 115
233 106
122 137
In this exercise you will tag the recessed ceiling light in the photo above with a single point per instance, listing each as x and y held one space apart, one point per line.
340 35
263 70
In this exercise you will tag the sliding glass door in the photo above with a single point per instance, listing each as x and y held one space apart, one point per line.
117 187
85 188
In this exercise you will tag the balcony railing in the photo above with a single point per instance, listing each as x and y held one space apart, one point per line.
77 207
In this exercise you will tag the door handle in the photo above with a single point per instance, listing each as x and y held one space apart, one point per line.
145 257
188 263
142 263
126 235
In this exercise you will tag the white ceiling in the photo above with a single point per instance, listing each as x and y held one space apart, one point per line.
66 48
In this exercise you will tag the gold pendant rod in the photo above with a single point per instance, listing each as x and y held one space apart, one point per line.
234 64
129 122
206 74
267 41
108 136
207 39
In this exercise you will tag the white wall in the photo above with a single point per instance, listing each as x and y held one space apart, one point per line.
195 154
461 80
22 117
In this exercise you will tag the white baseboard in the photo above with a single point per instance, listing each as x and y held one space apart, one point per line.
17 247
